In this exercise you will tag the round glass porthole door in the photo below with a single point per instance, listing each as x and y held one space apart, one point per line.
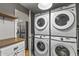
62 51
41 47
41 23
62 19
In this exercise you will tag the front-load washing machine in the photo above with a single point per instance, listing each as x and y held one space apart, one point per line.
42 23
63 46
41 46
63 22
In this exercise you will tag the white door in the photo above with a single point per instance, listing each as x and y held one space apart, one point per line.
41 22
62 19
41 47
63 50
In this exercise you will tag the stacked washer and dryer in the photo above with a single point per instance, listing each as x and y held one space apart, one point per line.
62 23
41 41
63 32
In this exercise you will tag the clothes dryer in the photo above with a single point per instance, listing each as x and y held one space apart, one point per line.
62 46
42 23
41 46
63 22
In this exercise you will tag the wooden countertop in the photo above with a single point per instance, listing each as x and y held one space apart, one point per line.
10 41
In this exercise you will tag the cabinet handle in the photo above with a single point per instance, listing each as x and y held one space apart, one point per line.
15 48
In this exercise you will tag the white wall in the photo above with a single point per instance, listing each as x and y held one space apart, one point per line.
6 29
7 8
22 17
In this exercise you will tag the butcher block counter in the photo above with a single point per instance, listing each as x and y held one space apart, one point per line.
10 41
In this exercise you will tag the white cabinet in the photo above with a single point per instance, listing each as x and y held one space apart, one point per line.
6 51
21 53
13 50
